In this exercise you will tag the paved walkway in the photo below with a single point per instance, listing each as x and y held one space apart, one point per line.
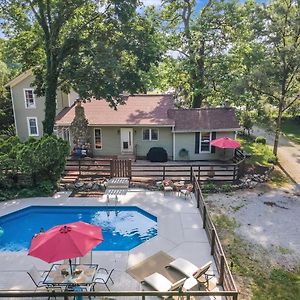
288 153
180 234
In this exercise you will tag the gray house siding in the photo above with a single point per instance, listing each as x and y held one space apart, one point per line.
111 140
21 113
164 141
186 141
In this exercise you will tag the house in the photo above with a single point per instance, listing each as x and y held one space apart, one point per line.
144 121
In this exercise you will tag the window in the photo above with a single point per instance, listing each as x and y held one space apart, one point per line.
150 134
29 98
98 138
32 126
66 134
205 142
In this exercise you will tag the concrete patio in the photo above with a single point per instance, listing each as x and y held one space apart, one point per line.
180 234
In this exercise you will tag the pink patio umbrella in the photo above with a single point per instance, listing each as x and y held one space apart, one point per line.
226 143
65 242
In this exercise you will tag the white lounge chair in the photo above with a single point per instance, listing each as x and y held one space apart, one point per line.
190 270
161 283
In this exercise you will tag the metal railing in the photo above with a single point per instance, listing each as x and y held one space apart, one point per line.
106 294
225 278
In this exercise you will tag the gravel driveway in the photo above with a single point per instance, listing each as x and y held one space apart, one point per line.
266 217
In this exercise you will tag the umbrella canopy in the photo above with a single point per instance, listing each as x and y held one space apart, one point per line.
225 143
65 241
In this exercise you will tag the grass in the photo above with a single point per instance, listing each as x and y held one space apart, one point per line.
291 128
253 271
260 154
278 178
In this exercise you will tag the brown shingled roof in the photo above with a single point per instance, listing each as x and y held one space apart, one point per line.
137 110
204 119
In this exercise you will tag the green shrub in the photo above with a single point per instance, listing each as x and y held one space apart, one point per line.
260 140
46 188
247 122
209 188
44 159
272 159
225 188
41 161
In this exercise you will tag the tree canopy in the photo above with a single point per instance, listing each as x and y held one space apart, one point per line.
100 48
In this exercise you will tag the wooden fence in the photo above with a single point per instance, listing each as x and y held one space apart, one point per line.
97 167
225 278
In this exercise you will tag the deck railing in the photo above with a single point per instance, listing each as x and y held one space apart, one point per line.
107 295
110 167
225 277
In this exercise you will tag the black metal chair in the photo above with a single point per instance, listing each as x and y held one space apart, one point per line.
38 279
103 277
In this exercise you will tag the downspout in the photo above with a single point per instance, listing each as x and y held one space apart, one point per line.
14 111
174 144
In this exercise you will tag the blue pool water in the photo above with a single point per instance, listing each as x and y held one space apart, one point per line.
123 227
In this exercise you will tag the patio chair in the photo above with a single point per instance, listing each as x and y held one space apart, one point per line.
187 192
162 284
190 270
167 186
38 279
102 277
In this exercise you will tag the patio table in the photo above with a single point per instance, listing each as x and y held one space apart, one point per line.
59 275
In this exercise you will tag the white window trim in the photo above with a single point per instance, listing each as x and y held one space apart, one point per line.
37 126
200 142
150 134
95 139
34 102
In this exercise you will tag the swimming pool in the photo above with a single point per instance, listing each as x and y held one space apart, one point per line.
123 227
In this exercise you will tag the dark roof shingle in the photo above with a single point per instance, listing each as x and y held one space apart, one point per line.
200 119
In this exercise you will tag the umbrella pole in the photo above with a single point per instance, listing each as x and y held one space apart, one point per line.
70 262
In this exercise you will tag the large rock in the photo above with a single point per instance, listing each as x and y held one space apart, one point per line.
78 185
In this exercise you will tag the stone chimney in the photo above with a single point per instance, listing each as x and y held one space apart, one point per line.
79 126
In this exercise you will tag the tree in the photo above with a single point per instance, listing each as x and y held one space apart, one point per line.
276 75
6 112
201 41
98 47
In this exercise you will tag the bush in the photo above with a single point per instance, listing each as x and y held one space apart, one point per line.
40 161
260 140
225 188
246 122
209 188
44 159
157 154
272 160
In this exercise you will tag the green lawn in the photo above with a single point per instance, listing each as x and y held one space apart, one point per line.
260 154
291 128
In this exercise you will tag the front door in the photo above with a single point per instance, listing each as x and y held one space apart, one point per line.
127 140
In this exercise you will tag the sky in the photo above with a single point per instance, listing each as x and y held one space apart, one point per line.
199 4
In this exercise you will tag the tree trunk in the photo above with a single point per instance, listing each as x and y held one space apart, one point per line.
198 77
278 128
50 94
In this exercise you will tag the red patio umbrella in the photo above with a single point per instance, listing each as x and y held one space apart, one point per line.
65 241
225 143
